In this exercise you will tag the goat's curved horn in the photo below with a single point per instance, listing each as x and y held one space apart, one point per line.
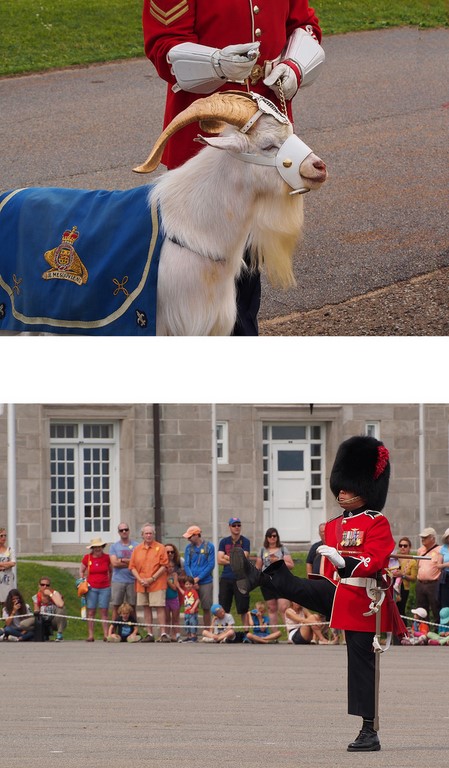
234 108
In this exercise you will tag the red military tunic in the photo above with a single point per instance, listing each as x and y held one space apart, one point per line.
365 542
217 23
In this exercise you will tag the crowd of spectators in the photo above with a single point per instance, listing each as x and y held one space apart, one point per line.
170 590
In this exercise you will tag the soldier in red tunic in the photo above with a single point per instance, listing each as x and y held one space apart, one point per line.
358 545
201 46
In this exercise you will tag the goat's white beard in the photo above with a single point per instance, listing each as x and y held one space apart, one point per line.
196 293
277 224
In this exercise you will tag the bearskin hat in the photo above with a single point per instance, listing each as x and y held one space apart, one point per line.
362 466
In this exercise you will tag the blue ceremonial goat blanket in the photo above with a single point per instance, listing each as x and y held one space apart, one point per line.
79 262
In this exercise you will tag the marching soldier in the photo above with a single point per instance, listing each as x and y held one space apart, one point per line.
354 593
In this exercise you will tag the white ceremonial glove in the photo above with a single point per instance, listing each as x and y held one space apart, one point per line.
288 79
332 555
237 61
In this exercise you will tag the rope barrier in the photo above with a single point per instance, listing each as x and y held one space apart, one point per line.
287 627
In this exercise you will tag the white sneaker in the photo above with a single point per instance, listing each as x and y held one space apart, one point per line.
13 638
207 640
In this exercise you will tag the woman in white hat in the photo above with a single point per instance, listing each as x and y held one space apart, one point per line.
96 567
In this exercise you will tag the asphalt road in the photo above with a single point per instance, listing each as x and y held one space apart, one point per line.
74 704
378 116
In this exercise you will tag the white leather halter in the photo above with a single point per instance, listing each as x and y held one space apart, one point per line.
290 155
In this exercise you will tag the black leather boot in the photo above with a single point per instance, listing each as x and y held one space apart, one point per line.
248 577
366 741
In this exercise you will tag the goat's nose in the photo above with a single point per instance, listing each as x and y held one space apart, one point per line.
319 164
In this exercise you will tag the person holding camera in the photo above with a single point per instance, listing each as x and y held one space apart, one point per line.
19 621
49 605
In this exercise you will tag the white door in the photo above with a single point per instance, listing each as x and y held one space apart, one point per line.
291 492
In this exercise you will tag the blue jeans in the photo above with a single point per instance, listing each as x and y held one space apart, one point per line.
98 598
191 623
28 635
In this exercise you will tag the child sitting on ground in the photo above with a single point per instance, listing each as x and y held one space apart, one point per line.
221 629
259 624
126 629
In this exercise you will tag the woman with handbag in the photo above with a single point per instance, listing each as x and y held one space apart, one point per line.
97 568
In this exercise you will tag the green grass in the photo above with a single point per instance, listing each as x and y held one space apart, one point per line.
355 15
43 34
36 35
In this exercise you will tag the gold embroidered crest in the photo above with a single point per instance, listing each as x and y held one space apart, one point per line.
64 260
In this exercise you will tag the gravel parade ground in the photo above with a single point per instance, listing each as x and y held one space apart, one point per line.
72 704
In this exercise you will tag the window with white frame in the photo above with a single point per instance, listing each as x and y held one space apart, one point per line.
372 429
222 442
84 480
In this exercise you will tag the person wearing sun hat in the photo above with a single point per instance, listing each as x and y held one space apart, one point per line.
227 588
356 553
97 568
199 563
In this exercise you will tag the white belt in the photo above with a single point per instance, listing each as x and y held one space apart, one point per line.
360 582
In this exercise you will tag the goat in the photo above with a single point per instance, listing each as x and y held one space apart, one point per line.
195 221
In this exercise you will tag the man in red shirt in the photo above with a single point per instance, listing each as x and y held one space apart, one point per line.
201 46
357 548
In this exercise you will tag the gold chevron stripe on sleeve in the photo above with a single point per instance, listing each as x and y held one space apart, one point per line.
168 17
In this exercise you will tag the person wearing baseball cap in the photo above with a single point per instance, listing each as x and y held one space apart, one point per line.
227 587
199 563
429 571
356 553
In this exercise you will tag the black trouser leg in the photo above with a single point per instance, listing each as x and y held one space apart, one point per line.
361 673
314 594
248 301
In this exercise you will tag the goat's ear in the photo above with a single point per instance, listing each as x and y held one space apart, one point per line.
233 142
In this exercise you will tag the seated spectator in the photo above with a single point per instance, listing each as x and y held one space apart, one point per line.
18 626
303 626
125 629
419 629
221 629
259 622
50 605
191 606
441 636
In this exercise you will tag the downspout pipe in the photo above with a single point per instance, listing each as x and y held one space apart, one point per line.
157 471
12 489
422 470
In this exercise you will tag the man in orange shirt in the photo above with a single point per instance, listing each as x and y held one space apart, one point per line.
148 565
